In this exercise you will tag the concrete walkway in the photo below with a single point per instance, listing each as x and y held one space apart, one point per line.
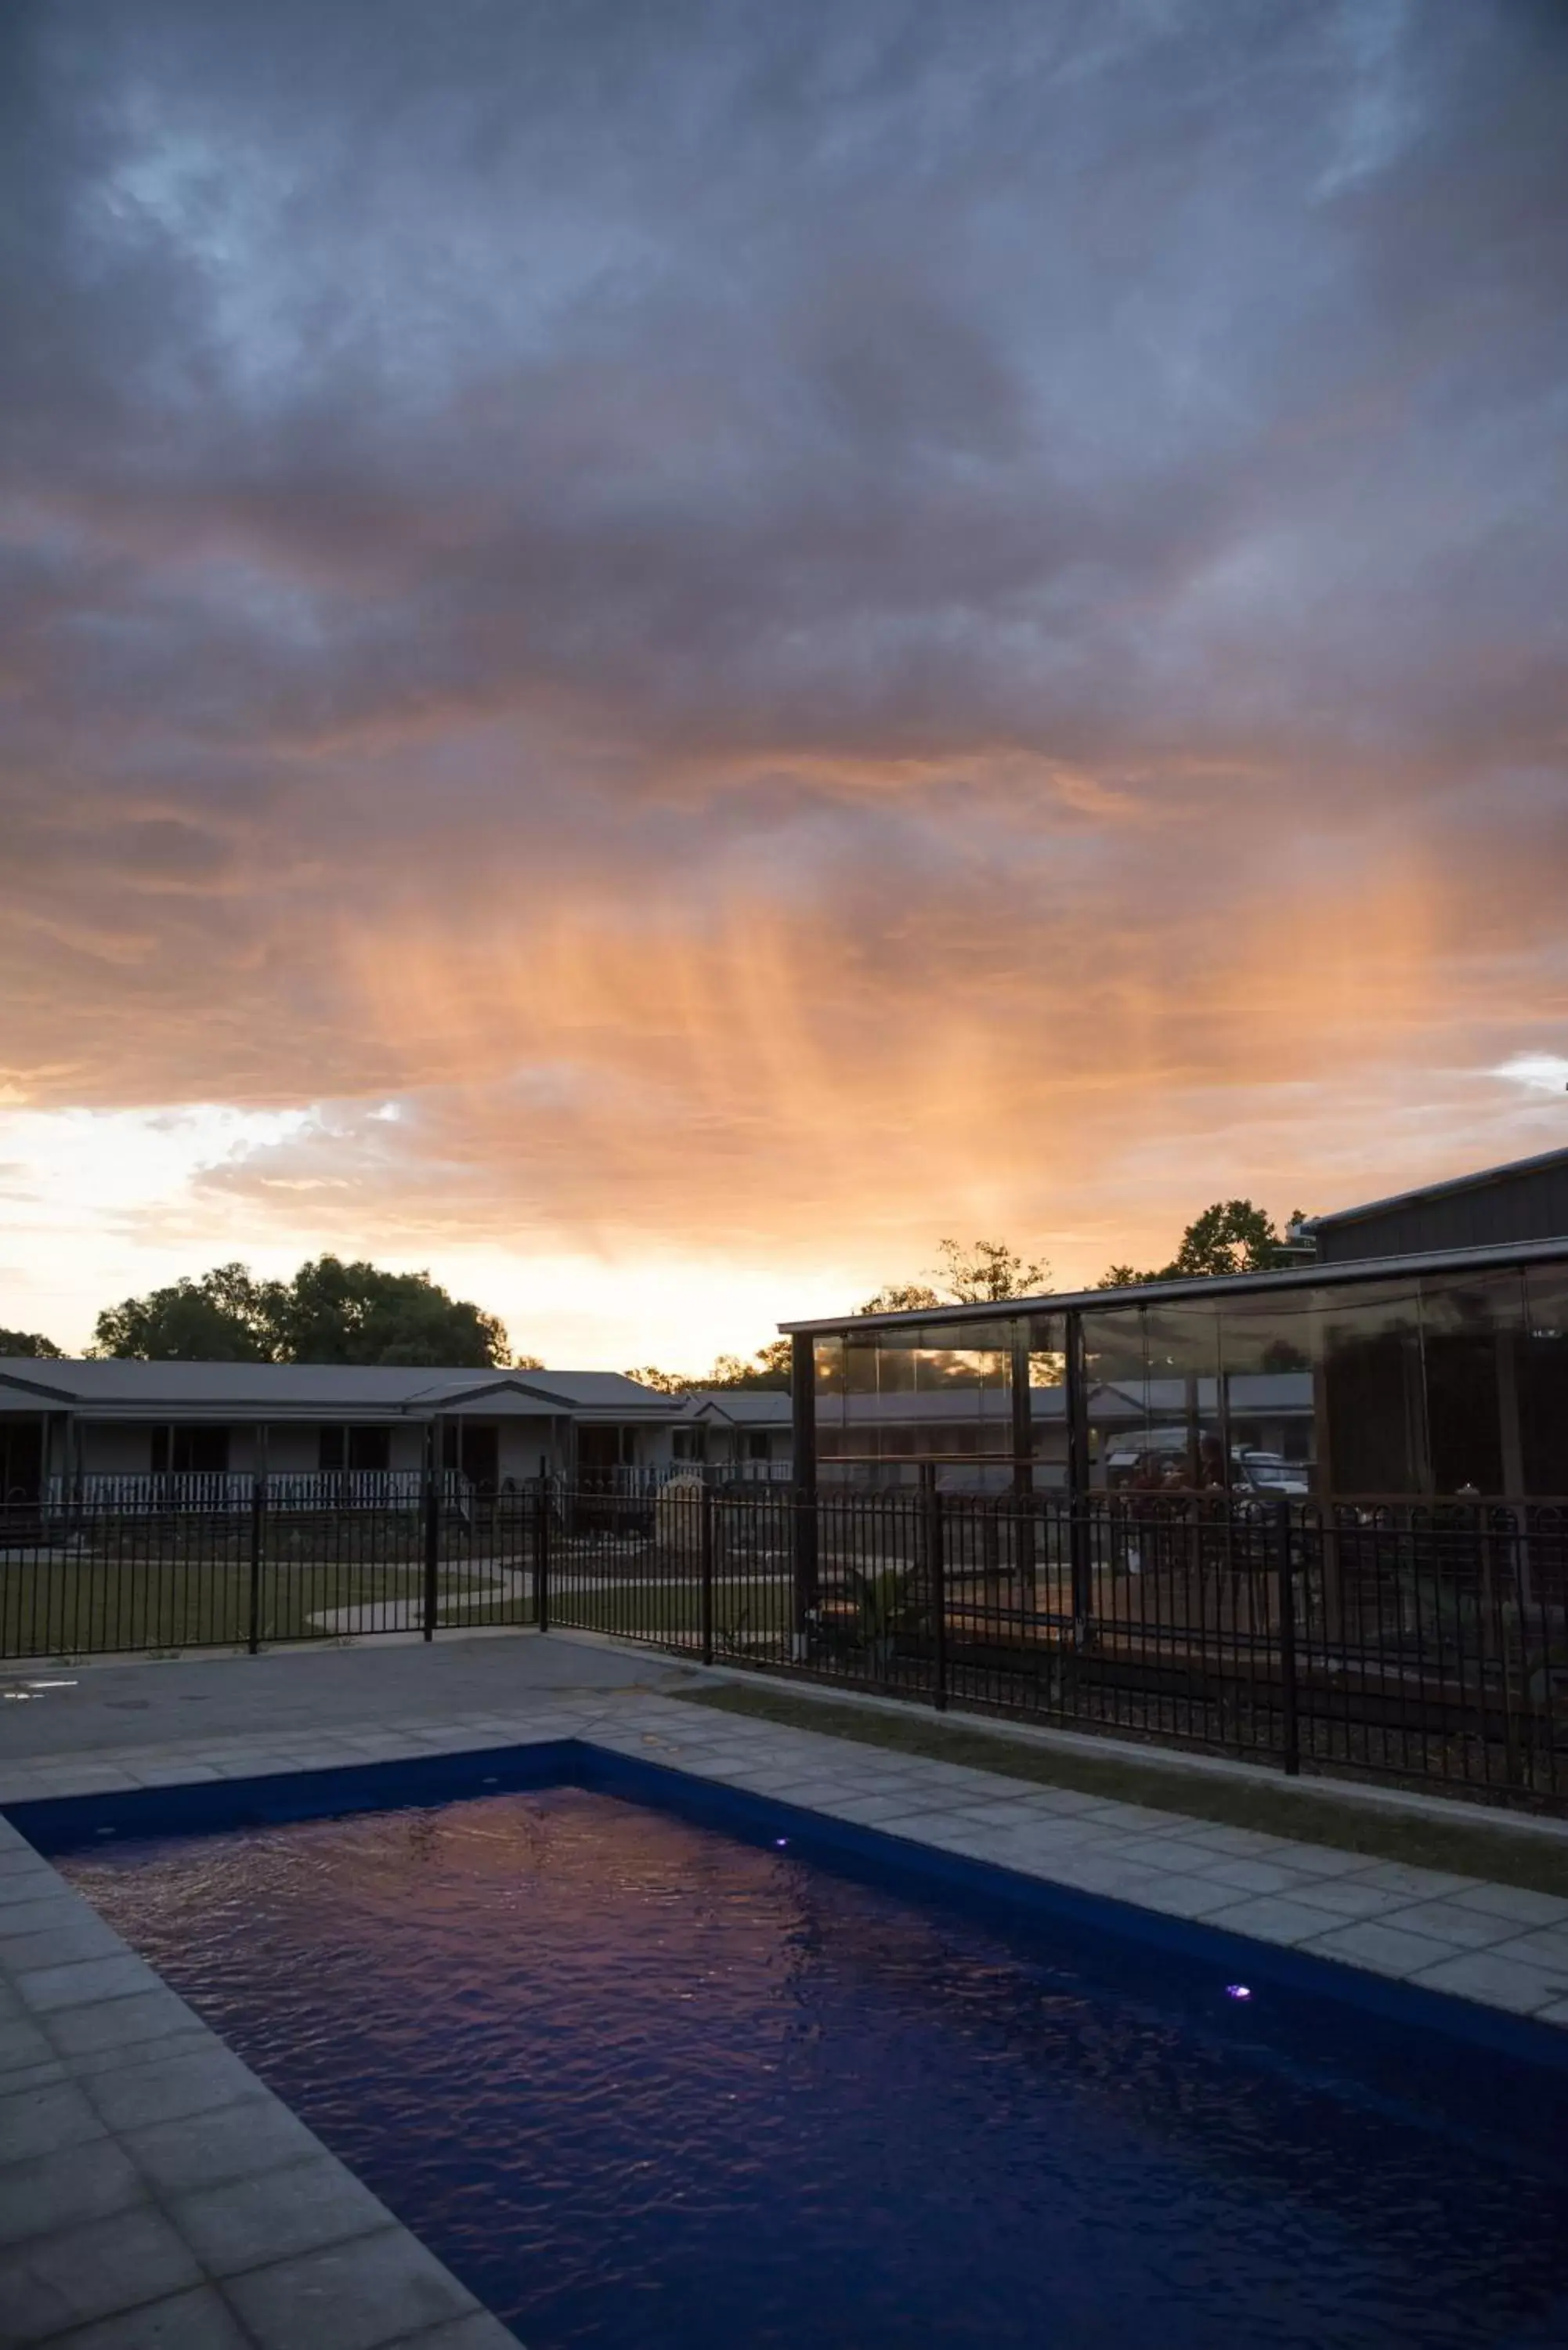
80 1710
155 2195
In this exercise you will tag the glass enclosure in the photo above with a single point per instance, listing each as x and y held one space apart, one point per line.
1450 1383
887 1399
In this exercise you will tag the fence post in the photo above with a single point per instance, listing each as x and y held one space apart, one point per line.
1080 1522
541 1556
258 1508
936 1575
433 1547
705 1530
1287 1616
806 1508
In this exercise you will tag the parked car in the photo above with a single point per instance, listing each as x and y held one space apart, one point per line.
1252 1471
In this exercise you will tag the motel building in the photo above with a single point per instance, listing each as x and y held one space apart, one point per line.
1416 1348
116 1434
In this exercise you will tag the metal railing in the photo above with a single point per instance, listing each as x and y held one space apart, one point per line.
1425 1643
220 1489
253 1562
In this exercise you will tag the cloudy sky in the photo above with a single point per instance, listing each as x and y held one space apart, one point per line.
651 654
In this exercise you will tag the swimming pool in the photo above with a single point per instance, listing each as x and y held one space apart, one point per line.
643 2074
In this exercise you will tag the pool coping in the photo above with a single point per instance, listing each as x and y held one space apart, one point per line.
111 2088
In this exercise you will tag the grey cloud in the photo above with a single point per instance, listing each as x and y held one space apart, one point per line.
748 372
940 471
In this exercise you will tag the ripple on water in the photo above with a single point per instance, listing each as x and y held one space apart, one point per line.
639 2083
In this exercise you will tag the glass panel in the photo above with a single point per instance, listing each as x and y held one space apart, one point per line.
1372 1422
1184 1442
1116 1366
1045 1335
1543 1383
827 1363
1268 1347
1470 1335
911 1393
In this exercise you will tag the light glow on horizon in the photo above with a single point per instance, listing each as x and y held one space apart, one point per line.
677 658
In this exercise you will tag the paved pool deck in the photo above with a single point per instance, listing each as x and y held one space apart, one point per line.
155 2195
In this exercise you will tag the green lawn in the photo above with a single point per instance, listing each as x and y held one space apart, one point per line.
55 1608
1469 1847
746 1612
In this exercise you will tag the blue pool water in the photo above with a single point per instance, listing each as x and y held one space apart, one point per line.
644 2082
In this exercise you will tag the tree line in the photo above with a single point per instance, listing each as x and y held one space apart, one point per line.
1229 1236
333 1312
330 1312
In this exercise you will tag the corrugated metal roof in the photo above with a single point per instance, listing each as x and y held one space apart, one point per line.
297 1390
601 1391
1444 1190
746 1406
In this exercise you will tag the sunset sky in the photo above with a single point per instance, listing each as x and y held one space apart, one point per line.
651 654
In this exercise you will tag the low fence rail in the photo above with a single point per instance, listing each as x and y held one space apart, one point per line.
205 1490
1423 1643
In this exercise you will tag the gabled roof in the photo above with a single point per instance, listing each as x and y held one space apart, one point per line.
742 1407
306 1390
24 1373
608 1392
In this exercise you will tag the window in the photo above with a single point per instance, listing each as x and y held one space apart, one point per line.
21 1459
360 1448
482 1454
600 1450
192 1450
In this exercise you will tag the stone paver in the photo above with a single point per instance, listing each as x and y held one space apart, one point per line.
1499 1980
1519 1901
247 2222
85 2182
154 2196
357 2295
91 2270
198 2320
1271 1918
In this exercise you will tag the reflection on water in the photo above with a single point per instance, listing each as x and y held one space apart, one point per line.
641 2085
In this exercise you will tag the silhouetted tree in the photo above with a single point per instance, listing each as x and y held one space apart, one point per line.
989 1269
226 1316
31 1344
672 1383
329 1313
900 1297
338 1313
769 1368
974 1274
1229 1236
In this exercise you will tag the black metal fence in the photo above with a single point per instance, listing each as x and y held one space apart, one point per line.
254 1568
1426 1643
